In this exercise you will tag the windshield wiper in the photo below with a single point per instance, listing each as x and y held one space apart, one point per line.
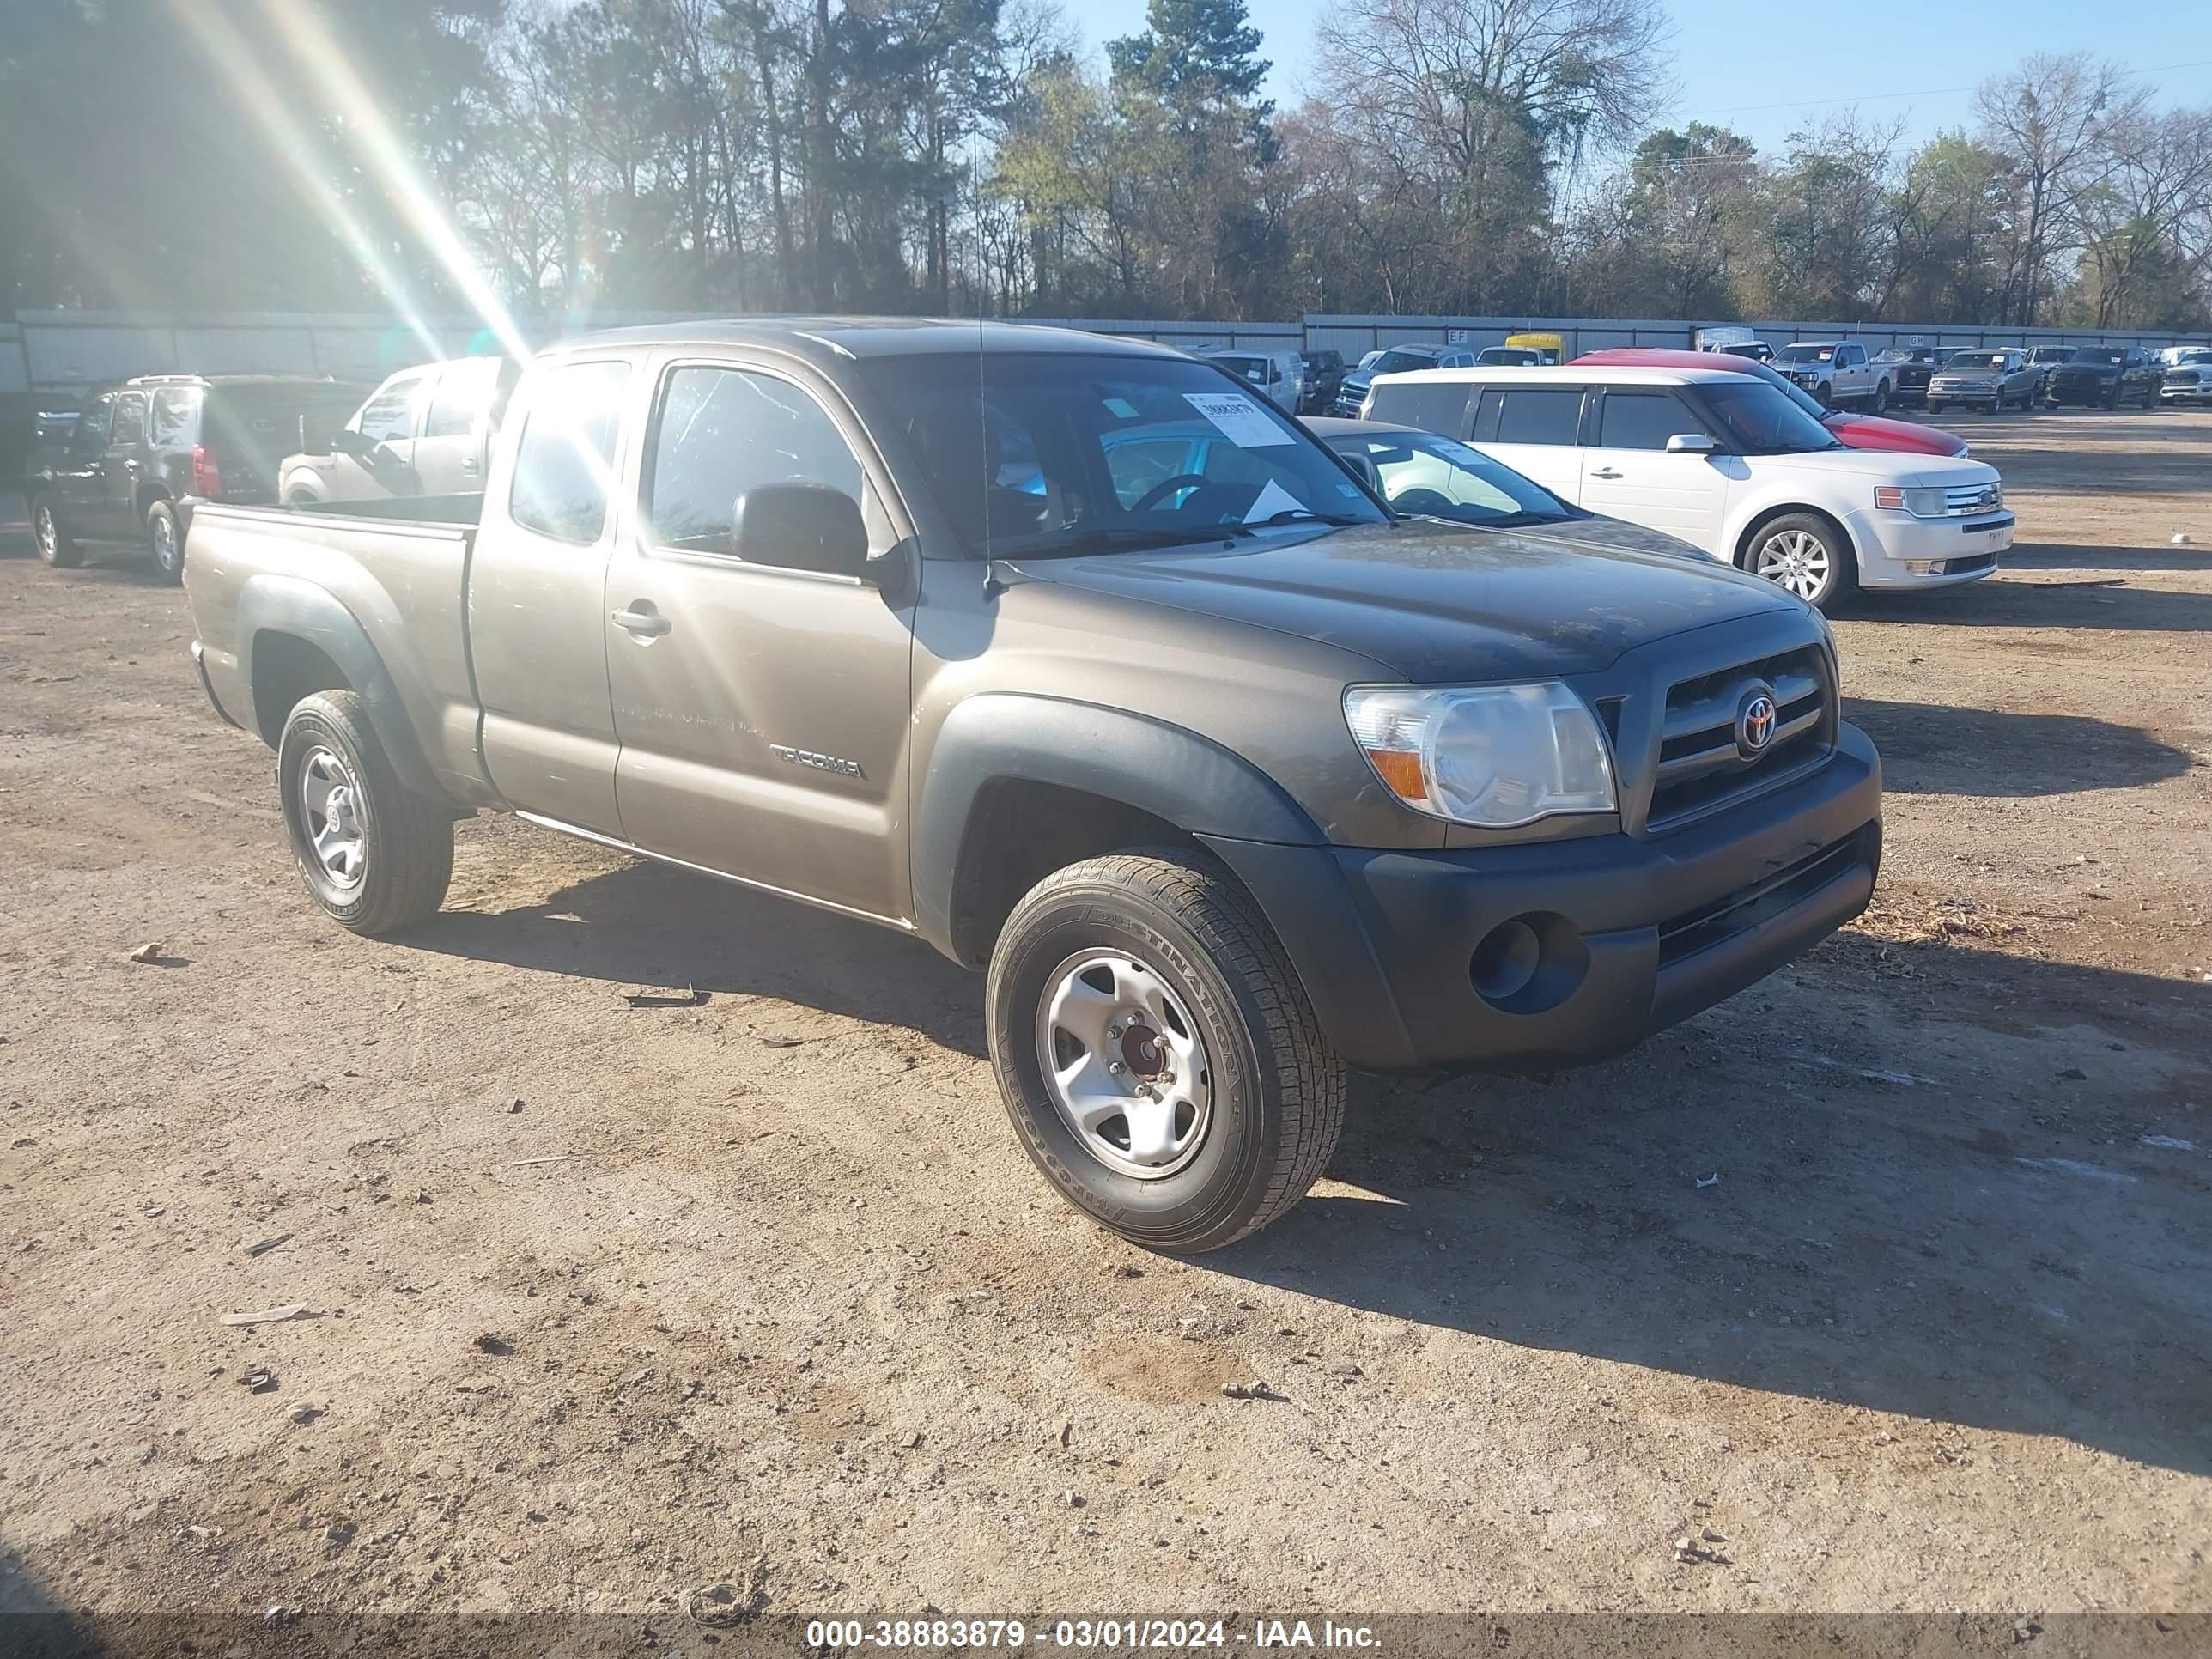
1115 539
1291 515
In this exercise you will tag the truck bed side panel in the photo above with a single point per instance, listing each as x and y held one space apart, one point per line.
402 582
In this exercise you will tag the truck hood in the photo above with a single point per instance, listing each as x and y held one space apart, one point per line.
1436 603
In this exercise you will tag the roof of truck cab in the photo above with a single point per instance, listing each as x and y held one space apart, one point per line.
830 338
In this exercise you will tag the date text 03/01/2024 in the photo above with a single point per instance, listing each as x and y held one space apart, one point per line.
1081 1634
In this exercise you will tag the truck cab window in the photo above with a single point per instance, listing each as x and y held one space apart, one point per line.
724 431
390 414
564 460
462 394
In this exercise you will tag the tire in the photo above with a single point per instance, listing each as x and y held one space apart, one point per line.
1826 395
56 546
1881 398
165 541
1266 1094
1935 408
2150 396
404 841
1823 579
2111 400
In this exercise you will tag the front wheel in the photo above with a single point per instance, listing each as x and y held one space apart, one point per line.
1158 1058
57 547
1934 407
1806 554
166 538
373 854
1827 394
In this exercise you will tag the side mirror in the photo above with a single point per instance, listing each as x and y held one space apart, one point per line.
1691 443
347 442
801 526
314 435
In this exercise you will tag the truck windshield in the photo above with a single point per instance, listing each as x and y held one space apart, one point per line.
1760 420
2104 355
1054 453
1806 354
1401 362
1977 360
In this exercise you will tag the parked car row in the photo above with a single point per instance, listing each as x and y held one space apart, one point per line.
1837 373
141 456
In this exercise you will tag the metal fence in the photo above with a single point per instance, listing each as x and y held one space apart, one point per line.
1355 335
59 353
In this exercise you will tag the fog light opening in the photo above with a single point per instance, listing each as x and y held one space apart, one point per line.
1506 961
1529 964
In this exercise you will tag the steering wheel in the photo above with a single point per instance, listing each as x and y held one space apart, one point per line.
1432 502
1166 487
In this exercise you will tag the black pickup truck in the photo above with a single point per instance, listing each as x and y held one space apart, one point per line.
2105 377
1076 660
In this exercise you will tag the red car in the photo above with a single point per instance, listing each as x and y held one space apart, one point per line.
1856 431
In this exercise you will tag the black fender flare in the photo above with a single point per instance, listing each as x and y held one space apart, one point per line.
1169 771
274 604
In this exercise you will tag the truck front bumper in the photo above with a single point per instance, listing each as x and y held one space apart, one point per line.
1552 953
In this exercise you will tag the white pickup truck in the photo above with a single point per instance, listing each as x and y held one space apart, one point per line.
1838 372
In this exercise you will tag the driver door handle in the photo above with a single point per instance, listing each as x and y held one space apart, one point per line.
641 620
1605 472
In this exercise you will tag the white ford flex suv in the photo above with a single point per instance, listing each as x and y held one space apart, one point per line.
1726 462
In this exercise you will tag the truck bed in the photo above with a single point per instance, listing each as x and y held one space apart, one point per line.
386 578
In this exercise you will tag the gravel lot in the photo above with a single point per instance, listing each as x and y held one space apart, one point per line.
620 1302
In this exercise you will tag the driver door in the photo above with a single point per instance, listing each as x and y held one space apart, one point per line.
762 712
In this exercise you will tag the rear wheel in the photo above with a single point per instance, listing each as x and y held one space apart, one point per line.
1881 397
57 547
373 853
1158 1058
1806 554
167 538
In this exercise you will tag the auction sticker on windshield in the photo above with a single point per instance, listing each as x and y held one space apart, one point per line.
1238 418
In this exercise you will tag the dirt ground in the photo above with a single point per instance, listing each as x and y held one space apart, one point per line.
1888 1283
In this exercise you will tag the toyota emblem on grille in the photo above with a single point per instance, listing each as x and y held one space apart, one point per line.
1754 722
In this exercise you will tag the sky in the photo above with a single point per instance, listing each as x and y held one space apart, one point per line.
1736 66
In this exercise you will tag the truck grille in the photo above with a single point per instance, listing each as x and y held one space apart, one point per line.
1704 762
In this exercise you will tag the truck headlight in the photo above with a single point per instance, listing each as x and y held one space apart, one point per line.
1496 756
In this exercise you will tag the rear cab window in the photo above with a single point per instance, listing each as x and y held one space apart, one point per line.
564 458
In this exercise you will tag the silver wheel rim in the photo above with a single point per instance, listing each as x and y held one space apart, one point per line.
164 542
49 537
329 808
1795 559
1124 1064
